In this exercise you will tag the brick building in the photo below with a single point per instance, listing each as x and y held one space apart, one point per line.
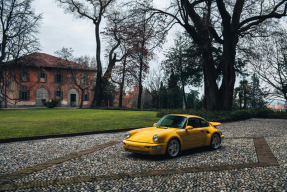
41 77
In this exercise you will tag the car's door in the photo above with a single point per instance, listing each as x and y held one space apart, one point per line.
195 136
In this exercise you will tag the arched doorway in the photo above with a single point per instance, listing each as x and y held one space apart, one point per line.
42 93
73 98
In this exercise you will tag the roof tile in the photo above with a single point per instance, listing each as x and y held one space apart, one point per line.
45 60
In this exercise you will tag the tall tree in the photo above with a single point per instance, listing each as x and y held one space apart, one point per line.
93 10
19 25
150 34
243 91
185 62
120 31
174 94
256 94
271 66
192 97
153 84
223 22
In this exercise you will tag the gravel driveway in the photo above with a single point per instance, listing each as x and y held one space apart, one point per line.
109 163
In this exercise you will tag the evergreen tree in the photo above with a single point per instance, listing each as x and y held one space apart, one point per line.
162 97
191 99
256 95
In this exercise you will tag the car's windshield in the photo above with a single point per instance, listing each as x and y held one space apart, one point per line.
172 121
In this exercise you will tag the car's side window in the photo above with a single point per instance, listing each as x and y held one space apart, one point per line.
203 123
194 122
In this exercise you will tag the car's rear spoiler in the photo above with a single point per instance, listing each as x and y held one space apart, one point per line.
215 124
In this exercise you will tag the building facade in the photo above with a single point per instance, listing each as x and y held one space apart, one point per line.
40 77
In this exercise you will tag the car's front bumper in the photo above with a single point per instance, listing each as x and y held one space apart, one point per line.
145 148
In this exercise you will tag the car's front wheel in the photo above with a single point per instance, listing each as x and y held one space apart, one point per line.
215 141
173 148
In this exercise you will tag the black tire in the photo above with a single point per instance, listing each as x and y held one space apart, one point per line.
173 148
215 141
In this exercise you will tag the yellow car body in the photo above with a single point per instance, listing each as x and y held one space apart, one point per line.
167 137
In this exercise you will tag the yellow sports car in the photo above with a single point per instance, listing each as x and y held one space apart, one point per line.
172 134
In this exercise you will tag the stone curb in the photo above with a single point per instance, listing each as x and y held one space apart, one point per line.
264 154
64 135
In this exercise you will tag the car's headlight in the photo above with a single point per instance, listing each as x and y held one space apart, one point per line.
127 135
155 138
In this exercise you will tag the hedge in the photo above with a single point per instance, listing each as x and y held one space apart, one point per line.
223 116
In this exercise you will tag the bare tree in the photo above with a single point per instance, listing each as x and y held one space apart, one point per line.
153 84
19 24
224 23
271 65
93 10
150 35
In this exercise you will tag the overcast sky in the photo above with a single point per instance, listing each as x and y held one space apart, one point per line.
63 30
60 29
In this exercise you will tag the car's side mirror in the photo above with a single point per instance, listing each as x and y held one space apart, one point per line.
154 124
188 127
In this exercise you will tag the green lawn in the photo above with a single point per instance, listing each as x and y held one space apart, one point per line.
17 123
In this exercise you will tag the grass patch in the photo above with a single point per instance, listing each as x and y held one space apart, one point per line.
17 123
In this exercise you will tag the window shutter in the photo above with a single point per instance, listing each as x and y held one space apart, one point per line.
61 95
55 94
88 96
28 95
39 77
46 77
61 78
20 95
21 75
55 78
28 76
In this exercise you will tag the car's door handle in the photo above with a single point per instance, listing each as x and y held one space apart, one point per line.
201 131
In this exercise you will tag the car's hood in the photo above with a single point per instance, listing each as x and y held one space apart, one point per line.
145 135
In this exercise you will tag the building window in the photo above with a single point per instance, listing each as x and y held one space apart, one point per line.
58 78
24 94
58 94
42 74
24 76
85 78
43 77
86 95
73 77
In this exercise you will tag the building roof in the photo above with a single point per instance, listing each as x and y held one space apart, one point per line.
49 61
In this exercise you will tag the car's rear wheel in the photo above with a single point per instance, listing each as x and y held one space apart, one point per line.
173 148
215 141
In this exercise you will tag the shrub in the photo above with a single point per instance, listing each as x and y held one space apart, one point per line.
209 115
241 114
53 103
263 113
281 114
227 115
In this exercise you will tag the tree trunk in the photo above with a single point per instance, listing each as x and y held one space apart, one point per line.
5 89
245 98
210 86
140 84
96 102
182 81
240 101
228 81
82 99
122 85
